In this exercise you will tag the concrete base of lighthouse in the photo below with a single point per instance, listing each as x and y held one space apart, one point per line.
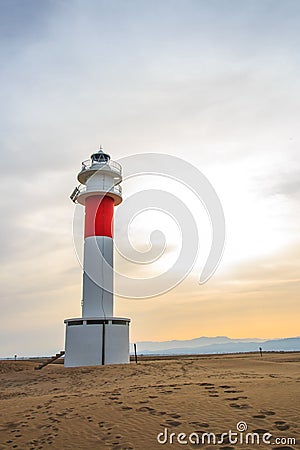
96 341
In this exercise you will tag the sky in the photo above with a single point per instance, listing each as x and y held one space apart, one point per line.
215 83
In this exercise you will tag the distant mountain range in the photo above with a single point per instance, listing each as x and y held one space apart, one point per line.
218 344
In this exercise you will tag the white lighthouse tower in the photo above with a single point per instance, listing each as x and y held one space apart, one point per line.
98 338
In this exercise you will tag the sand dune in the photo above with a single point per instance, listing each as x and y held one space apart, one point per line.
126 407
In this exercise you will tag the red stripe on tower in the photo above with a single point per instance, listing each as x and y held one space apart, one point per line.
99 211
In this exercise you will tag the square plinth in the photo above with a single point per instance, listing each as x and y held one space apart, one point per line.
96 341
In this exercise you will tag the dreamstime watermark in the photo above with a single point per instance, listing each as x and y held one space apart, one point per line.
240 436
174 168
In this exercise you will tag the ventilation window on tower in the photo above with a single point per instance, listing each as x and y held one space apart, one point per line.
120 322
75 322
96 322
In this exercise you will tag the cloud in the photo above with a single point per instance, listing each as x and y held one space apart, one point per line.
288 184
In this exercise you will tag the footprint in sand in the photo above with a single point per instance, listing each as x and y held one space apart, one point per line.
155 413
236 405
173 423
126 408
285 447
259 416
145 409
226 448
200 424
268 413
281 425
127 448
260 431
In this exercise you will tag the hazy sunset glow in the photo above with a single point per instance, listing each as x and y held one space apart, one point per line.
215 83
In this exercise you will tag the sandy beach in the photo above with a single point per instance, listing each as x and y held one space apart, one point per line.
128 406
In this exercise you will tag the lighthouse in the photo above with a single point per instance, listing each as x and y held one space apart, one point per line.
98 337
